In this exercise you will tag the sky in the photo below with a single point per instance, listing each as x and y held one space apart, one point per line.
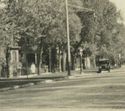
121 6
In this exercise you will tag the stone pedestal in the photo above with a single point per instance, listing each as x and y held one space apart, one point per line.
13 61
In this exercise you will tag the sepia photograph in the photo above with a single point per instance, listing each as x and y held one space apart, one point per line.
62 55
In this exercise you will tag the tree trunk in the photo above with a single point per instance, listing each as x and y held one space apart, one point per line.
39 62
73 62
64 61
50 60
7 63
40 51
60 68
81 65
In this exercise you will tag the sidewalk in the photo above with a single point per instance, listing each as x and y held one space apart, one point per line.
50 75
22 80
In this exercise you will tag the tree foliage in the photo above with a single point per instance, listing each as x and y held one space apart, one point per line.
50 16
101 29
25 22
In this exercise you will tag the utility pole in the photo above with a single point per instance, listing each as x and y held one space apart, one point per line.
67 27
68 39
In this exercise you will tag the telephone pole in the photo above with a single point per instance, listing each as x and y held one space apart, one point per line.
68 38
67 30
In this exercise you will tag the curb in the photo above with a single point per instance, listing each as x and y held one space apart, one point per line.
28 83
16 84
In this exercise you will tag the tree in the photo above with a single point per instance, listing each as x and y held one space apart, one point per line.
98 27
25 26
50 20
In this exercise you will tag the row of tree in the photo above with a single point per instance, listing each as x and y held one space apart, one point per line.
98 32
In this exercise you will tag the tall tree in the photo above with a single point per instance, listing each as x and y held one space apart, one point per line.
25 22
50 21
99 28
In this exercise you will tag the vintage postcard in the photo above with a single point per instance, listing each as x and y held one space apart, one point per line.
62 55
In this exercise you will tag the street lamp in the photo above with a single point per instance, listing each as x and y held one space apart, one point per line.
68 39
119 58
80 54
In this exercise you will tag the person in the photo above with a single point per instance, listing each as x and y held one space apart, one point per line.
33 68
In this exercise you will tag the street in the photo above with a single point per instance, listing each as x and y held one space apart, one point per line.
105 90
